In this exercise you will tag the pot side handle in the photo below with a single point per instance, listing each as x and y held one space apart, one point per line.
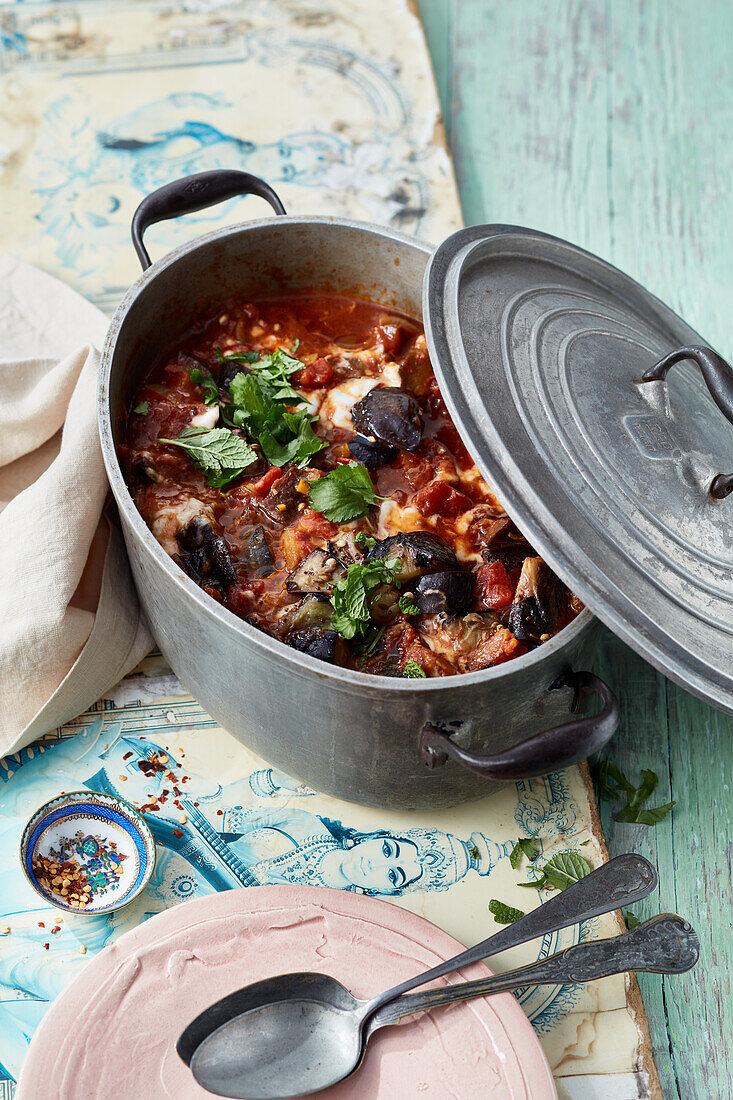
192 193
544 752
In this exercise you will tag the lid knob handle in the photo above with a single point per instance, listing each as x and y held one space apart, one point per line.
718 377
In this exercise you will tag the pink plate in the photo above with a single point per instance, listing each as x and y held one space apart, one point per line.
112 1032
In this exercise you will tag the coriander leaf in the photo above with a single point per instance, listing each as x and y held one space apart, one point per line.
209 386
237 356
362 539
273 369
504 914
524 846
346 493
370 645
220 453
351 615
632 921
408 606
413 671
142 408
563 870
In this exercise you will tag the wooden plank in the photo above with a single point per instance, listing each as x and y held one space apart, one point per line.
605 123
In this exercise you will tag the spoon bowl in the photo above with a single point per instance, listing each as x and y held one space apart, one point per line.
297 1045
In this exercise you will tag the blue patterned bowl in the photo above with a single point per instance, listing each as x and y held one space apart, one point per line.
105 838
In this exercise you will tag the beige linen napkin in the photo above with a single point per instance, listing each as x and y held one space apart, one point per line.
70 623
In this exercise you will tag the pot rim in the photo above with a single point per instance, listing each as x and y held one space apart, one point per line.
297 662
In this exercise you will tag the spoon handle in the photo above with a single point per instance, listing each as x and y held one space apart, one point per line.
663 945
622 881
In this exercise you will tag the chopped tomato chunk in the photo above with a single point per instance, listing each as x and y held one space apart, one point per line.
315 374
440 498
262 486
495 649
494 588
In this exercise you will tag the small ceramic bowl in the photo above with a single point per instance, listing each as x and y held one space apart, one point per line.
89 844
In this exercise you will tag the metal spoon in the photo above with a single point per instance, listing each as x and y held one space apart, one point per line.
294 1016
313 1045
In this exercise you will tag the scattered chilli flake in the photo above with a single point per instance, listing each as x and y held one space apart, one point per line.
178 832
127 756
46 947
56 928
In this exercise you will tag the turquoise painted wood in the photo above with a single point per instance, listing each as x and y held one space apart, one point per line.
609 122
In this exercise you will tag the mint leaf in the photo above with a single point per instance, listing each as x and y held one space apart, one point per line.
220 453
612 783
413 671
504 914
142 408
563 870
408 606
209 386
346 493
632 921
524 846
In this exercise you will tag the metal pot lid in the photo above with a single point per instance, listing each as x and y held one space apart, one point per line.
540 349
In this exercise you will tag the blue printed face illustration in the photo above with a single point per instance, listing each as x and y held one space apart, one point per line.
382 865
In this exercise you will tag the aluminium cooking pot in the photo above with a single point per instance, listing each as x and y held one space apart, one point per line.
412 744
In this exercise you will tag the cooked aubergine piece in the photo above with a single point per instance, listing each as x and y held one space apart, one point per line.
391 416
204 554
373 455
419 552
450 593
256 553
463 632
317 573
537 608
315 609
315 642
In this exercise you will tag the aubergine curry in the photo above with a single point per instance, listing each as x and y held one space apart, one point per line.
295 457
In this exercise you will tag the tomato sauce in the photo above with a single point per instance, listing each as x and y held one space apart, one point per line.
244 542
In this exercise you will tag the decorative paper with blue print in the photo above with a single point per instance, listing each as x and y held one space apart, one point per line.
339 116
246 825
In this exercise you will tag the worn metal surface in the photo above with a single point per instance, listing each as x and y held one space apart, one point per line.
542 351
363 730
597 122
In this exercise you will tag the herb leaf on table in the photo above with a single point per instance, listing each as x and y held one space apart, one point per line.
561 871
612 783
524 846
504 914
